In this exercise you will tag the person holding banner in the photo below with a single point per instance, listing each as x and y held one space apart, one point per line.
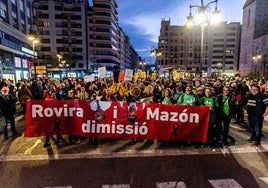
133 97
83 95
24 95
167 98
134 94
212 102
188 98
225 113
107 95
51 94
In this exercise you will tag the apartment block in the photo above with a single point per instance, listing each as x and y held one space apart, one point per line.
62 28
80 36
181 49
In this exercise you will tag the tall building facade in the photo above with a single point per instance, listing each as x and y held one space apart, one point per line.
15 48
104 34
62 29
224 48
180 48
79 36
254 39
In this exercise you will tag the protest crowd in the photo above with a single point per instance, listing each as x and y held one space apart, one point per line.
228 98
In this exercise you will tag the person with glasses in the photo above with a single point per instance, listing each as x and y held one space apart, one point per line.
257 108
8 111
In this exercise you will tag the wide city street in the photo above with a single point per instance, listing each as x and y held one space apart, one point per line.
24 162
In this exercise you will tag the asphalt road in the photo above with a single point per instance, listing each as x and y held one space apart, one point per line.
24 162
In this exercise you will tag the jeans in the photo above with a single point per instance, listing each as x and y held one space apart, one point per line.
5 121
255 125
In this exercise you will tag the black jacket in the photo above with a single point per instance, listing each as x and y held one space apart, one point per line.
8 105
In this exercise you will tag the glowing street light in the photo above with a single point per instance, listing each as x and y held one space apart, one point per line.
142 64
34 39
203 21
256 59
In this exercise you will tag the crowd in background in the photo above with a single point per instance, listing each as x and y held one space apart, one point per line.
226 97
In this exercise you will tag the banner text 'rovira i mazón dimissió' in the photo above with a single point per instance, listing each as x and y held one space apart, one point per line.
117 120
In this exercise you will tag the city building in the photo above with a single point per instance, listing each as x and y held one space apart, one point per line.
180 49
80 36
15 49
62 29
254 39
109 46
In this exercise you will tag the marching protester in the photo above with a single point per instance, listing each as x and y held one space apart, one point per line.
133 96
63 91
83 94
51 94
214 93
225 113
241 99
218 86
108 95
37 90
97 114
167 98
212 102
8 111
188 97
24 95
257 108
157 92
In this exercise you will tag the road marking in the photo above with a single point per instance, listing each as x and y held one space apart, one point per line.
133 153
30 149
60 187
116 186
225 183
172 184
265 179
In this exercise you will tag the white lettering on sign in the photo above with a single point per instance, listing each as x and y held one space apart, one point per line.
65 111
172 116
92 127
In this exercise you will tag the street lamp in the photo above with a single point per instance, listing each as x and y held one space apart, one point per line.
256 58
59 58
142 64
34 38
156 53
203 22
219 65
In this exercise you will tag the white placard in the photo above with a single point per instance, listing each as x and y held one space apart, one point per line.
128 74
89 78
102 72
